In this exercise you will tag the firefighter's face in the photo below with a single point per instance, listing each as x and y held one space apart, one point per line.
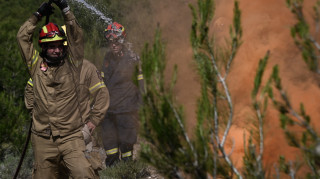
55 49
116 47
115 44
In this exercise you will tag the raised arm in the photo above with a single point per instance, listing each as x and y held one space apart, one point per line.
25 34
74 34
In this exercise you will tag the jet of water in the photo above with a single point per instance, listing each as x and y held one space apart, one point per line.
96 11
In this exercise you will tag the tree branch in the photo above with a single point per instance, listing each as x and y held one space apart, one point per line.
185 135
229 162
295 114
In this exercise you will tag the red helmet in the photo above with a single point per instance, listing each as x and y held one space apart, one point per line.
50 33
115 31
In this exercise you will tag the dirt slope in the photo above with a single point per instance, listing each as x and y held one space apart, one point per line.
266 26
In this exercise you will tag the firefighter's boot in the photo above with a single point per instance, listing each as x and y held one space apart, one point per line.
126 152
112 159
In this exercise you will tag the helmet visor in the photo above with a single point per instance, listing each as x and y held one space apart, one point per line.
52 34
115 40
115 33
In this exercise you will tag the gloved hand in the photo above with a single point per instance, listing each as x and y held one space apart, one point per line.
62 4
45 9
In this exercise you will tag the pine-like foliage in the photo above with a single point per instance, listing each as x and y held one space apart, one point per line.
14 117
215 111
307 41
168 146
308 141
252 160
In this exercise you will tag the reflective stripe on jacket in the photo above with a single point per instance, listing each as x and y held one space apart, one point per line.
28 95
94 92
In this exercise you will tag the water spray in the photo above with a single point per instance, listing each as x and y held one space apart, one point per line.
96 11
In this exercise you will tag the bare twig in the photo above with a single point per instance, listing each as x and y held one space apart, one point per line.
314 170
277 171
216 134
215 147
315 43
226 89
259 158
234 49
292 173
185 135
229 162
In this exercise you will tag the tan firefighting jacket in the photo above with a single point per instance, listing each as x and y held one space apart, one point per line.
58 99
95 95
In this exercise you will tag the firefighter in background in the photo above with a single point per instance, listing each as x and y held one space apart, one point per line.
61 102
120 126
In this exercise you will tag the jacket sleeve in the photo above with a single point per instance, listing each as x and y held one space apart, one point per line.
28 95
74 39
99 96
24 38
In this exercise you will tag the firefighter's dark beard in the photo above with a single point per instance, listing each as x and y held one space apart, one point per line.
53 61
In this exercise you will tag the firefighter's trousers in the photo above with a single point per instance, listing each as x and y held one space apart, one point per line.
119 132
53 153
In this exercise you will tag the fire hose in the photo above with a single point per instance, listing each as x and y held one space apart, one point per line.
23 152
29 130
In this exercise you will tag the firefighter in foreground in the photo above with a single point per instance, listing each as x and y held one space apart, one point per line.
120 126
90 78
61 107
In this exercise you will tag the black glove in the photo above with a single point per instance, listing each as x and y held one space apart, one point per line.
62 4
45 9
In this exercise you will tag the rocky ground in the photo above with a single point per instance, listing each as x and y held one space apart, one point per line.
151 170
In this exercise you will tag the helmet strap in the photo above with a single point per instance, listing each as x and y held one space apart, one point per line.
53 61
